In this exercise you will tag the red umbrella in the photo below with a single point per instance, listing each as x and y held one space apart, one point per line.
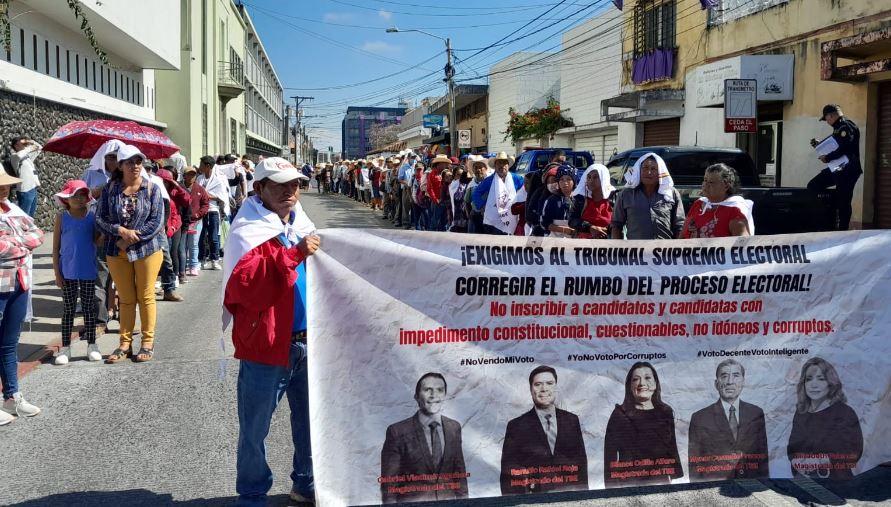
81 139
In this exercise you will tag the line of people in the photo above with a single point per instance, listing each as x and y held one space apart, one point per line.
128 231
482 196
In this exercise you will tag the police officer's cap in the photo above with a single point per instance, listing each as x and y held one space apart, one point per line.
830 108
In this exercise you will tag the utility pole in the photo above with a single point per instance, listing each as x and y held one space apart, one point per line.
297 101
453 124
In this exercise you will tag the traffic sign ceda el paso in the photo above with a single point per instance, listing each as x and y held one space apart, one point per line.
740 105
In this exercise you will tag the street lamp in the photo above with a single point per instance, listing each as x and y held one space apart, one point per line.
449 79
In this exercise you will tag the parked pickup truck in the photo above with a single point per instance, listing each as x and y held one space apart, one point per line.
536 159
778 210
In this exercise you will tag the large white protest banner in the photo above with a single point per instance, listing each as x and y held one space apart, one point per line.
447 366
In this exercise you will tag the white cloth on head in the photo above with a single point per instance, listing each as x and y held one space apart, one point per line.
97 163
605 185
254 226
501 196
734 201
179 162
666 184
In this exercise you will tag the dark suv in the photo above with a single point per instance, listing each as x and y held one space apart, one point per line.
536 159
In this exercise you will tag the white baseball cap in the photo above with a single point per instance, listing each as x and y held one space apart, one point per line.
127 151
278 170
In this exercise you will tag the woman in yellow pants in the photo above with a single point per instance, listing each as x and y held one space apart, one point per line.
130 213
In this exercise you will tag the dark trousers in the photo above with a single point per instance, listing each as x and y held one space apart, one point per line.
178 252
844 182
86 290
210 233
100 301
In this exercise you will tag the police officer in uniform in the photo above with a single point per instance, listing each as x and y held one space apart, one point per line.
847 135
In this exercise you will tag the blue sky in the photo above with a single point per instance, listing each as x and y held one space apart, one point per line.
338 51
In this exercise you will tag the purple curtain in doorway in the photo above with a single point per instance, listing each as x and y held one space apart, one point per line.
654 66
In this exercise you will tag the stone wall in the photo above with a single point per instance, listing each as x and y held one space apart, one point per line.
39 119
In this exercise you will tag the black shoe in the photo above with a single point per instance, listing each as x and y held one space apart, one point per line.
397 224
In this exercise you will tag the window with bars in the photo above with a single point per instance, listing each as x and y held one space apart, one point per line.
654 25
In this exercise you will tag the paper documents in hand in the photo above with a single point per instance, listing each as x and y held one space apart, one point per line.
825 148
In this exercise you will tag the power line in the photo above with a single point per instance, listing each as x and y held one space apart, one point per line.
353 85
493 13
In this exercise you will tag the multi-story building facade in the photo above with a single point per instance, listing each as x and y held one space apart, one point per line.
357 121
203 103
803 54
414 133
50 75
591 71
262 98
471 115
516 84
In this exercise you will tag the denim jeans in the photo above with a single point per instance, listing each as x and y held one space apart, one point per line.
28 201
13 307
192 242
260 389
210 232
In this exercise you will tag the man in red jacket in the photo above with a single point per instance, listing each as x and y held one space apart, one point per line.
265 299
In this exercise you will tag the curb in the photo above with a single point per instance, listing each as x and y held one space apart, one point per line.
28 364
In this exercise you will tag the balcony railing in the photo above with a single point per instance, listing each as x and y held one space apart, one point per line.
230 79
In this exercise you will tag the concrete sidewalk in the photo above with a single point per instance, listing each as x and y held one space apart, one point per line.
42 337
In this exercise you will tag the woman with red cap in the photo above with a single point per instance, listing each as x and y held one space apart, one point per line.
74 263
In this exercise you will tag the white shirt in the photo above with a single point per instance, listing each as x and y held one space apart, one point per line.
727 406
425 422
23 162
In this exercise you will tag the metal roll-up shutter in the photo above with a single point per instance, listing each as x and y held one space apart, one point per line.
662 132
883 160
591 143
610 146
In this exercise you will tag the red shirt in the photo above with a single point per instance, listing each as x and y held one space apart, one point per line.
434 185
260 296
598 214
714 223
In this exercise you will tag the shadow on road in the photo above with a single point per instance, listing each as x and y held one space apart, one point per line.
134 498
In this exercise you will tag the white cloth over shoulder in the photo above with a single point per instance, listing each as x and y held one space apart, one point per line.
666 184
254 226
217 186
501 196
734 201
606 185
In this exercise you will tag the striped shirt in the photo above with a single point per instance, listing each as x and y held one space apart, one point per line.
147 219
18 236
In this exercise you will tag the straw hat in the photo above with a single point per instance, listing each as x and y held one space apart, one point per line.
501 156
440 159
6 180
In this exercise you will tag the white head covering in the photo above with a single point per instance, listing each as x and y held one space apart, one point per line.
97 163
605 185
734 201
666 184
253 226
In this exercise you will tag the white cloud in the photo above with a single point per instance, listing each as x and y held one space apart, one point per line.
385 15
337 17
380 47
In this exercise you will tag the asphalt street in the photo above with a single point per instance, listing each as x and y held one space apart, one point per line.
164 432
